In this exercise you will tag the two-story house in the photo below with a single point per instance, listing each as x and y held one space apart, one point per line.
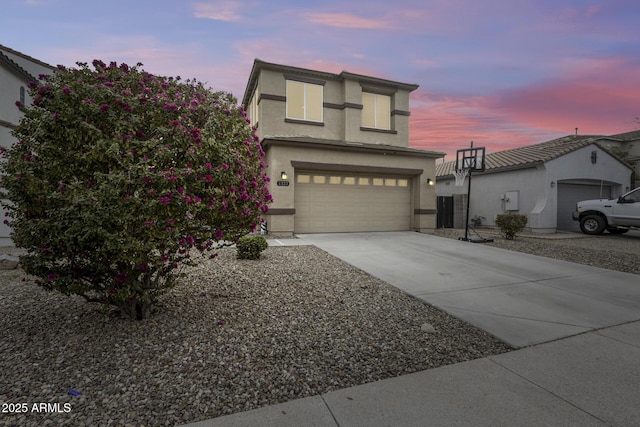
16 71
337 150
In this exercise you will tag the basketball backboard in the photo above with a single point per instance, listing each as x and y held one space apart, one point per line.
470 159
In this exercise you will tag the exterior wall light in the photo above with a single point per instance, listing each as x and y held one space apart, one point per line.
430 182
283 175
553 184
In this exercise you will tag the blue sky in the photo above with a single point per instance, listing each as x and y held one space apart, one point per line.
501 73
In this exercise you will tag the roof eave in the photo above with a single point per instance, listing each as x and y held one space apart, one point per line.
354 147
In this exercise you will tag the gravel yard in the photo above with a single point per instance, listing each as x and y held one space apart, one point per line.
613 252
238 335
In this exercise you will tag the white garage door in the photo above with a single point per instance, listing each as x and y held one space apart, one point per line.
343 202
569 195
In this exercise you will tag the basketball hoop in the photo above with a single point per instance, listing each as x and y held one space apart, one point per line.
460 176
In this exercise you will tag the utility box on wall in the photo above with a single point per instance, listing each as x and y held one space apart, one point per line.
511 200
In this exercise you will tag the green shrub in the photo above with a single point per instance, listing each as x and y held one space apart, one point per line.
510 224
250 247
119 175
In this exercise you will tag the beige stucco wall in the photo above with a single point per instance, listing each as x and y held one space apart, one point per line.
280 158
342 114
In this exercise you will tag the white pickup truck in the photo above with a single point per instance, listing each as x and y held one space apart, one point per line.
617 216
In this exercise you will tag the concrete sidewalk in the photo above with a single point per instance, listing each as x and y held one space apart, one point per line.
591 379
580 324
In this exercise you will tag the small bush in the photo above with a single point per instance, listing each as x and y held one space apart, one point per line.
510 224
250 247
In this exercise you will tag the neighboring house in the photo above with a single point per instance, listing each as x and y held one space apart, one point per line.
16 71
543 181
627 146
337 150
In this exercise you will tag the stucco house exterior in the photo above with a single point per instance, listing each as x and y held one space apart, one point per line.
16 71
628 145
337 150
543 181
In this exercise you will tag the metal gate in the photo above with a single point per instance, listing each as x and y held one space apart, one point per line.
444 216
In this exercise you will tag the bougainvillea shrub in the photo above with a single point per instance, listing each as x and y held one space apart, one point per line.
118 175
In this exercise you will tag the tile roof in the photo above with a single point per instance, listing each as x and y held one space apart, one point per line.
25 56
8 58
523 157
627 136
24 74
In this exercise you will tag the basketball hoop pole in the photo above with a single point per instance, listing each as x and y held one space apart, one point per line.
469 160
466 224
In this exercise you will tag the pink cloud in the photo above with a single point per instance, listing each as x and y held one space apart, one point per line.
596 96
345 20
218 11
576 13
185 60
447 124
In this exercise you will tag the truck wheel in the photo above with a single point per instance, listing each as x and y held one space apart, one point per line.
592 224
617 230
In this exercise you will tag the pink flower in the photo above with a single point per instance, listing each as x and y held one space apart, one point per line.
104 107
165 200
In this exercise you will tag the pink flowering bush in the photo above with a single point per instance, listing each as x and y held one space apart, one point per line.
119 175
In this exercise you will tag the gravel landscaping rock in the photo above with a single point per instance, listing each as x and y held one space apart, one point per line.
240 334
613 252
235 336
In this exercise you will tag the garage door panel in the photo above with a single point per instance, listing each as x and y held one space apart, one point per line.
355 204
569 195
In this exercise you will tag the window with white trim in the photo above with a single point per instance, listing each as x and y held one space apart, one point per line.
304 101
253 109
376 111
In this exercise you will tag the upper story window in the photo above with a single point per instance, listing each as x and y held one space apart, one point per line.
22 96
376 111
304 101
253 109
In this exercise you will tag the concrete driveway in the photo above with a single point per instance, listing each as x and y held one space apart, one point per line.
519 298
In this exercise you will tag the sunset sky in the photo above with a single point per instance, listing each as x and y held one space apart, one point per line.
503 73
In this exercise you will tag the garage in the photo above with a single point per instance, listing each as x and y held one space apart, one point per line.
570 194
349 202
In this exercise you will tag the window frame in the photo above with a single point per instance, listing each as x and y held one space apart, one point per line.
376 125
305 101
